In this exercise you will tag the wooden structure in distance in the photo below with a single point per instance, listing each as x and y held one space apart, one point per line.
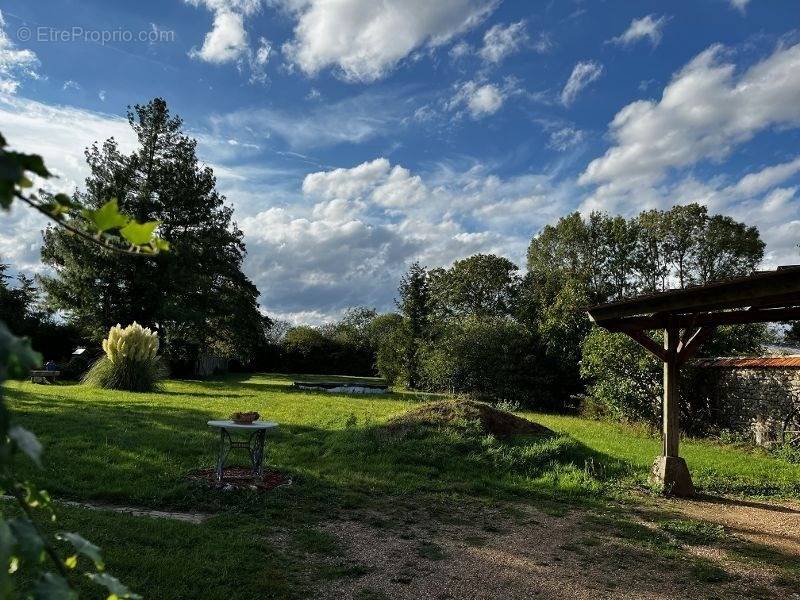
688 318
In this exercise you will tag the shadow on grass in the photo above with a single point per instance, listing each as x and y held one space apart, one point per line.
139 454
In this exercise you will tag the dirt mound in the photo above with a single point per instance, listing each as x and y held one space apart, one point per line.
456 413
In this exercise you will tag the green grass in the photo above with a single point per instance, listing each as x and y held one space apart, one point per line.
165 559
136 449
715 468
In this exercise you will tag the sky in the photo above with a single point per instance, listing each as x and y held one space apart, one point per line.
353 137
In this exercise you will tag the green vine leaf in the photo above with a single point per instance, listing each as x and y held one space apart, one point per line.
85 547
117 591
106 217
160 244
27 442
139 234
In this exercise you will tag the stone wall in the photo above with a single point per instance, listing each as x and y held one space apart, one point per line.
764 401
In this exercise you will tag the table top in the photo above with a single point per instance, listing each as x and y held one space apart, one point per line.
253 425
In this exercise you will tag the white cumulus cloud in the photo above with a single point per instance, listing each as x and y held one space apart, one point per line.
480 99
374 181
227 40
706 110
363 41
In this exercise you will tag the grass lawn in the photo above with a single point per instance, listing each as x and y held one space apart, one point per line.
136 449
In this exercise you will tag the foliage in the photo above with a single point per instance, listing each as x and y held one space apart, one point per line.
787 451
792 334
415 305
361 343
353 341
490 357
584 261
480 285
308 350
130 362
196 293
24 549
626 382
23 310
393 338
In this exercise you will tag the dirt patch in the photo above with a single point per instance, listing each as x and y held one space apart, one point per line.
516 552
444 413
770 523
240 478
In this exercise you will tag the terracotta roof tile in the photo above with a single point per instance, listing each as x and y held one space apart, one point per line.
751 362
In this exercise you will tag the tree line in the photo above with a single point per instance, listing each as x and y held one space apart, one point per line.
485 327
482 326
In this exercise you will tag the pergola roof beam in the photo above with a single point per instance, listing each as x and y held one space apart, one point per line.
738 317
776 288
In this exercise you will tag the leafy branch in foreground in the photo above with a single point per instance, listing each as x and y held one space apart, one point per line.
24 548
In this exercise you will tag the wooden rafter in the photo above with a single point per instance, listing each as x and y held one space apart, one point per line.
691 344
647 342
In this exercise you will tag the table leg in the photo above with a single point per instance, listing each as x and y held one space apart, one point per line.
257 453
221 457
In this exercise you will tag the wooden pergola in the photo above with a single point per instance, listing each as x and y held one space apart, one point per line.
688 318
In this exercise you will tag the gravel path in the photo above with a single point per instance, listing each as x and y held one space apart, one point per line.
526 554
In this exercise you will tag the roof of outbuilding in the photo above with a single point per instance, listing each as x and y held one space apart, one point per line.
751 362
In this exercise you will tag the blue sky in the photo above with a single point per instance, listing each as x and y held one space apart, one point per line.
354 136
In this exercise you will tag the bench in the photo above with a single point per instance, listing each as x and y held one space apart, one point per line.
44 376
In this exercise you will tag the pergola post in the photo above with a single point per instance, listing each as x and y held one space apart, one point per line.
770 297
670 472
671 410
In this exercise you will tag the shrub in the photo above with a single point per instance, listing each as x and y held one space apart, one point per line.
625 381
307 350
491 358
391 359
130 361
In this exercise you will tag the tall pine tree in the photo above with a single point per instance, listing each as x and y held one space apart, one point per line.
196 294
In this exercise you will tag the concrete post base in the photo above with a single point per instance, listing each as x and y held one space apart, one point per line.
671 475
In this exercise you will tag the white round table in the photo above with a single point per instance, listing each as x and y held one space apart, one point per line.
254 444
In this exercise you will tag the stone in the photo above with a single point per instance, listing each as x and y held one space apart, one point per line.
671 475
